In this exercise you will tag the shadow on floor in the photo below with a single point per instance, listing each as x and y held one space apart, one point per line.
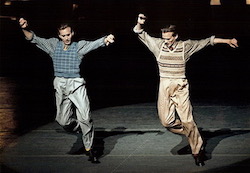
211 140
242 166
99 140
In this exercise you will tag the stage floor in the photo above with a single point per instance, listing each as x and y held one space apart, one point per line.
130 138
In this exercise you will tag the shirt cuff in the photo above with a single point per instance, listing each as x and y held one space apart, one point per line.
103 41
137 31
212 40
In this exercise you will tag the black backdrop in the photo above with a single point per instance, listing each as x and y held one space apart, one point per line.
126 72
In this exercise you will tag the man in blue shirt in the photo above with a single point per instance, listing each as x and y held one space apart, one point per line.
69 85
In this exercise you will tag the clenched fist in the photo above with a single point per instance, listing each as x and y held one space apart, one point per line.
141 19
23 23
109 39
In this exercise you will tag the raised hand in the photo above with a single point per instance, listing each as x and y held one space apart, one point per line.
141 19
109 39
23 23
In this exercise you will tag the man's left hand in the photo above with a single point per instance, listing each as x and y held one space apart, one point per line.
233 43
109 39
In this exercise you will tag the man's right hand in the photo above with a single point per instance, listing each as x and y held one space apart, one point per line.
23 23
141 19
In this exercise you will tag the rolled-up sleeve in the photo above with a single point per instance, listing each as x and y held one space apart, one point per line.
137 31
212 40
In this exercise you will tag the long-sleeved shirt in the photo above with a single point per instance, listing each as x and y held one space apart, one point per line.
171 63
66 62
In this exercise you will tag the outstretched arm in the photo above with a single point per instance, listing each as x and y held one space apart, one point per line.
152 43
47 45
231 42
24 25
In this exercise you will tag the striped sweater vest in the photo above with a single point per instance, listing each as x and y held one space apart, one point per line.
172 63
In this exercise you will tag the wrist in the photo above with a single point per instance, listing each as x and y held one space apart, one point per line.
228 41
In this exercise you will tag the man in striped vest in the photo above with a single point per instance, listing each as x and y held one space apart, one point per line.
171 56
70 89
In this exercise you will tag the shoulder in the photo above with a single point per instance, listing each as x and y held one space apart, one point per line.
81 42
189 42
53 39
180 42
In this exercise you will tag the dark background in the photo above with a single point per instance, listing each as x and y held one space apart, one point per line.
125 72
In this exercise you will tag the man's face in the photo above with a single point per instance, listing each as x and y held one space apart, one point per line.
66 35
168 36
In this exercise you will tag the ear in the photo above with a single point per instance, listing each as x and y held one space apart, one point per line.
176 37
72 33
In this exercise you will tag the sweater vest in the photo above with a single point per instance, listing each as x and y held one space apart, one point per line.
66 62
172 63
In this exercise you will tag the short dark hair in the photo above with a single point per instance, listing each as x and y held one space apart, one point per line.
170 28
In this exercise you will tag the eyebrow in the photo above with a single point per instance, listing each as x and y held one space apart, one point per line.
65 35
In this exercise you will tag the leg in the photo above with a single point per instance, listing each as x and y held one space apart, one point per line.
184 110
166 107
81 102
174 94
190 130
63 105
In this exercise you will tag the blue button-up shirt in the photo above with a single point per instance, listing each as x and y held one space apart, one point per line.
66 62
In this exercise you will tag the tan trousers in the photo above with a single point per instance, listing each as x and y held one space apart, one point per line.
174 97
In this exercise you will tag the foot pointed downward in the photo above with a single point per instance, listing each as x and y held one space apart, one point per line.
199 158
92 156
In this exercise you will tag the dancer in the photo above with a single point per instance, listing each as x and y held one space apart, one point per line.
70 89
171 56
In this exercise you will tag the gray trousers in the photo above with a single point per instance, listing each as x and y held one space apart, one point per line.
73 109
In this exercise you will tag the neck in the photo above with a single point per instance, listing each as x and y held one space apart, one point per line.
65 46
169 44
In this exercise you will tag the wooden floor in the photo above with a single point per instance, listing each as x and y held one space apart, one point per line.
7 111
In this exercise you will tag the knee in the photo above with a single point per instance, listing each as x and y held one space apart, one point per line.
172 125
166 124
70 127
62 122
66 125
163 124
